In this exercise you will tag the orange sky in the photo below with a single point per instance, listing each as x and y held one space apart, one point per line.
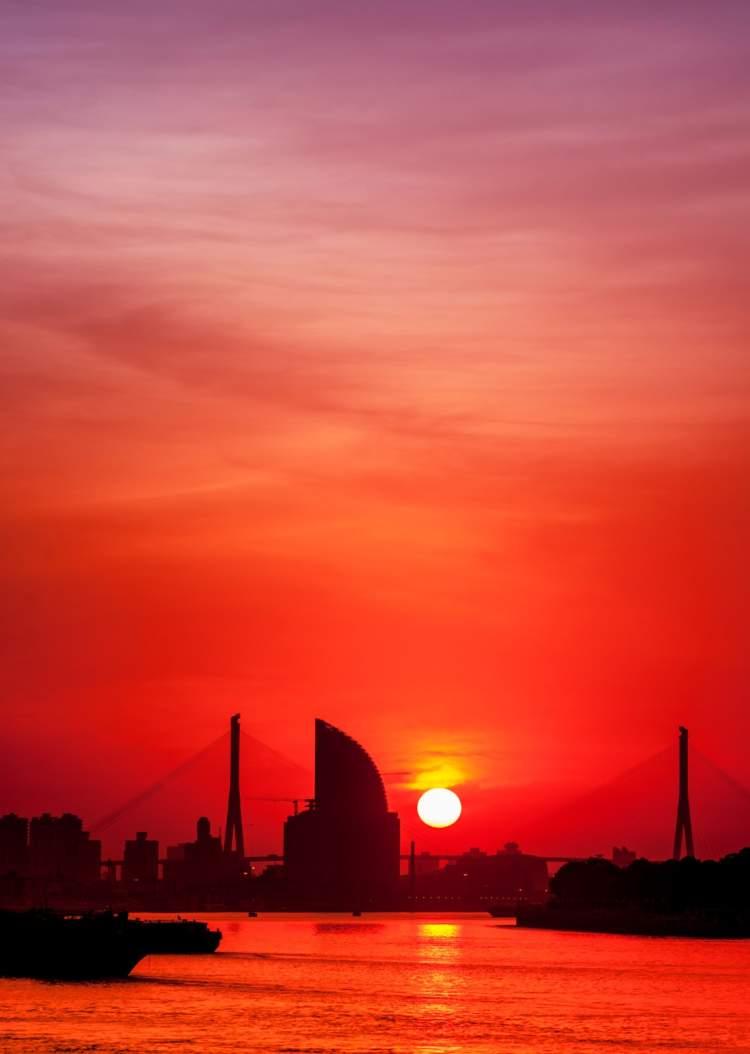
384 364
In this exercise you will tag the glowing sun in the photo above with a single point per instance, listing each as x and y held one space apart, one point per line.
439 807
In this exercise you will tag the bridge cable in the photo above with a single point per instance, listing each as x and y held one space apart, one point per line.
109 819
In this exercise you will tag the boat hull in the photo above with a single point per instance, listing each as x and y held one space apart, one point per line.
174 937
52 947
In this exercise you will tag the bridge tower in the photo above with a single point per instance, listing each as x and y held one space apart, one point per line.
684 826
233 829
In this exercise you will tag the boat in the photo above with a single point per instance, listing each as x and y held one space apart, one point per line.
52 946
174 936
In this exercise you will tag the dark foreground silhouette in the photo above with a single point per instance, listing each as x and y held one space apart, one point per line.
690 898
50 945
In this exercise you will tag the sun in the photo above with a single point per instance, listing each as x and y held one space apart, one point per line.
439 807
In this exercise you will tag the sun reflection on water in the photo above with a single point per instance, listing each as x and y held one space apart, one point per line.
437 982
439 940
439 929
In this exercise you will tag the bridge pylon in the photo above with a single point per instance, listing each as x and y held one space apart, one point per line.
233 837
683 825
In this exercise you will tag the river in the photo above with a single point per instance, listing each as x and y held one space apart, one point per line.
304 984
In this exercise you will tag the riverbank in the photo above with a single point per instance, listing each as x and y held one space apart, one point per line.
637 922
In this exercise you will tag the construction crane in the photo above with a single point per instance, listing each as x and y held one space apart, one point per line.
294 802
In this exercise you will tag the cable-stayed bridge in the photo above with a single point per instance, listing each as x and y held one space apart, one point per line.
613 810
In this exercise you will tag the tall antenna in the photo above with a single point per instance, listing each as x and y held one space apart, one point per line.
684 826
233 829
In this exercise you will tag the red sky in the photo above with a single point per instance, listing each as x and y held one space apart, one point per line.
383 362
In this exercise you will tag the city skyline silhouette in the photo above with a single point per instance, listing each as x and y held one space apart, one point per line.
635 807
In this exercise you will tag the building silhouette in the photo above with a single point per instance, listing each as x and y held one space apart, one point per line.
202 866
342 852
477 879
59 848
198 862
14 835
141 859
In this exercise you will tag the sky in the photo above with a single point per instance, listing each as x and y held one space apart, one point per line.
383 362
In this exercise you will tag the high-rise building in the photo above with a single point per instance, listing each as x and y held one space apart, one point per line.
141 859
343 851
60 848
202 863
14 833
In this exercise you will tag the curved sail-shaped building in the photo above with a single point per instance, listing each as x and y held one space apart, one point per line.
344 851
346 777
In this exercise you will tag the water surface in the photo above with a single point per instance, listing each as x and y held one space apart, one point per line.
434 985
